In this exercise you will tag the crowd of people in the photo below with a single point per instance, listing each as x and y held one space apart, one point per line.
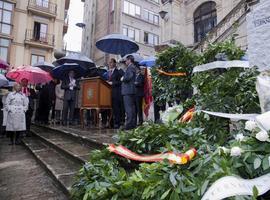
58 102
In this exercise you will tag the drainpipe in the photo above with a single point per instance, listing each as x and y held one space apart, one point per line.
171 19
106 58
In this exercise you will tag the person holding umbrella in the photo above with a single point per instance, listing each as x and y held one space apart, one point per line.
16 105
128 92
29 75
31 95
69 73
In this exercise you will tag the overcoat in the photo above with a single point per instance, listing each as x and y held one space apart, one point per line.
17 105
59 93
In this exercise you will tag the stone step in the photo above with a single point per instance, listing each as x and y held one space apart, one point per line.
76 149
84 137
62 152
61 168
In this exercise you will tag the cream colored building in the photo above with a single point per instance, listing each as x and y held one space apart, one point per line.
31 30
196 23
138 19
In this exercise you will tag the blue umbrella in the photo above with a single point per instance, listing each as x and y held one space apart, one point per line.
117 44
79 59
149 62
137 57
44 66
61 72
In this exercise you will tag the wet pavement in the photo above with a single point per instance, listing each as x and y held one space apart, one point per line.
22 178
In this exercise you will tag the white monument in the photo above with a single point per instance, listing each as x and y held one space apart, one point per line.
258 31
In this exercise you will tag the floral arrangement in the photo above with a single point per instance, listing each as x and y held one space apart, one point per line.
224 148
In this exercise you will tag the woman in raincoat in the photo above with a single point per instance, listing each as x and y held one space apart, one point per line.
16 105
59 102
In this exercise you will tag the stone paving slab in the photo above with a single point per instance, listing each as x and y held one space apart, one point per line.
57 162
36 145
64 142
76 149
21 177
97 135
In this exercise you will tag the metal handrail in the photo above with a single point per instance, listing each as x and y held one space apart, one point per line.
42 38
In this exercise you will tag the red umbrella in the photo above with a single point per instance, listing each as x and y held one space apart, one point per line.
3 64
34 75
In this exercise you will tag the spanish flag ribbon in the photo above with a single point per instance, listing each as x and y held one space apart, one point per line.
171 73
148 98
174 158
187 117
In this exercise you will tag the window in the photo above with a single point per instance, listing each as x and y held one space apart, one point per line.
42 3
132 33
151 39
37 58
5 17
205 18
132 9
165 1
151 17
40 31
4 48
112 5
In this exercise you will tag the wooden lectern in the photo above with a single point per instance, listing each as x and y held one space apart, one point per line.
96 95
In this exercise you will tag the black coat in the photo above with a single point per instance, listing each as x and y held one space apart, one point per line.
139 85
128 83
116 83
31 98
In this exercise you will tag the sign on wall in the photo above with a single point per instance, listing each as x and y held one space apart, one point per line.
258 31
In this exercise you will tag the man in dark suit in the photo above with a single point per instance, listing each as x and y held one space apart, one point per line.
128 92
139 91
114 78
70 85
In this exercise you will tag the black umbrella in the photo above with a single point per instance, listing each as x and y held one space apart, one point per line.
79 59
117 44
44 66
61 72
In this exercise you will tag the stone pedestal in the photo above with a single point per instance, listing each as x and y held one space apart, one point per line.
258 30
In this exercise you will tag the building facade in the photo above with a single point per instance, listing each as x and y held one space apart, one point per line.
196 23
138 19
31 30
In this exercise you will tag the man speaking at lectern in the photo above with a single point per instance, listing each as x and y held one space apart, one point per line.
128 92
114 78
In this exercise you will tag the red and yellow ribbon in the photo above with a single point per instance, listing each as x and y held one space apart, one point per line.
171 73
188 116
174 158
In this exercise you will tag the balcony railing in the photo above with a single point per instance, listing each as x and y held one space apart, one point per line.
39 39
43 6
